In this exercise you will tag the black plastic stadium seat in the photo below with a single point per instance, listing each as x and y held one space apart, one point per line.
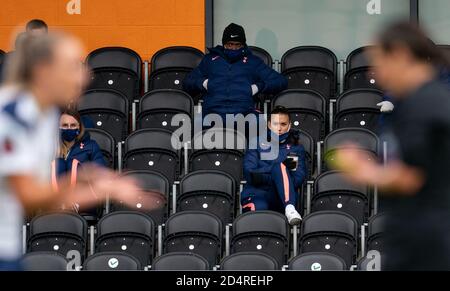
307 109
197 232
107 145
309 145
216 196
44 261
262 231
311 67
376 232
249 261
129 232
180 262
158 107
116 68
330 231
60 232
112 261
262 54
333 192
364 140
358 108
155 195
359 74
227 156
151 149
317 262
171 65
108 110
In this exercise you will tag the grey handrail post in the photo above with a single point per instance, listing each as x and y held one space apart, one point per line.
133 115
331 114
319 157
146 76
341 76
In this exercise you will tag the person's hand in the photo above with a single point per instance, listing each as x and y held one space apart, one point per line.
290 163
257 179
205 84
386 106
255 90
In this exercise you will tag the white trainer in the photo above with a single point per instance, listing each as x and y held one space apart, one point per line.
293 217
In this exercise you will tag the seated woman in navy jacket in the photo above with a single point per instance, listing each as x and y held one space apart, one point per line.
76 148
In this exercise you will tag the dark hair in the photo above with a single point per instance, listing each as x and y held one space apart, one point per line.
36 24
280 110
415 39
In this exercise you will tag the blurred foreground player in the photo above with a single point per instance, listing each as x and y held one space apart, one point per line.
45 72
415 183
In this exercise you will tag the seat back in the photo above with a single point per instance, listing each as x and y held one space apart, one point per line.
152 149
108 109
309 56
262 54
116 68
362 138
317 262
158 107
249 261
112 261
217 196
329 222
106 143
180 262
176 56
358 108
44 261
197 232
154 198
130 232
61 232
330 231
359 73
115 57
307 108
264 231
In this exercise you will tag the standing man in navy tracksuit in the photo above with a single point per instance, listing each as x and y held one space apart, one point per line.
273 184
230 76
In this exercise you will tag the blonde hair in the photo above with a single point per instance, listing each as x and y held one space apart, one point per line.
30 52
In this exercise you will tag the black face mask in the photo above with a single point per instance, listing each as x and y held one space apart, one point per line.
69 135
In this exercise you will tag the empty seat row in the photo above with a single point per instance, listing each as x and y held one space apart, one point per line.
120 69
202 233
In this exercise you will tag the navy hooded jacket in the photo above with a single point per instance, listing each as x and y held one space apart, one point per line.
229 83
83 151
254 164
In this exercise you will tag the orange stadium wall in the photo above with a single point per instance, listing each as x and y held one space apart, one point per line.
142 25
